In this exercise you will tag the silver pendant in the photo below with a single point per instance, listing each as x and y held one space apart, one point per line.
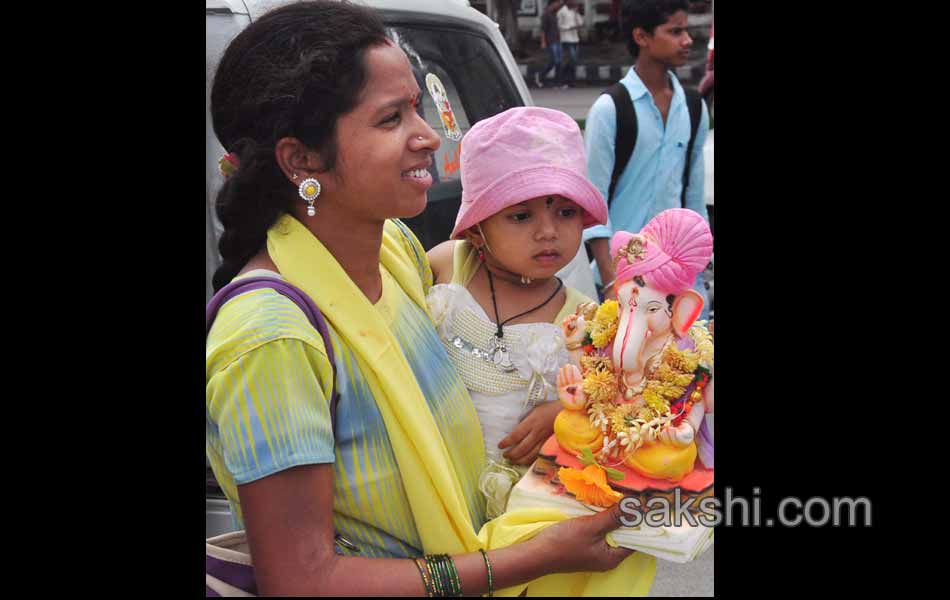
499 355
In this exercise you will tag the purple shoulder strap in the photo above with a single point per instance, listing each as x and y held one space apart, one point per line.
237 574
298 297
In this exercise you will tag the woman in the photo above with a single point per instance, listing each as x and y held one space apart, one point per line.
317 108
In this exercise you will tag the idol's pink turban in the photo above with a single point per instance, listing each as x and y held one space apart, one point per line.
668 253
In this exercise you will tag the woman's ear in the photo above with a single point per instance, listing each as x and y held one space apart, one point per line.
295 158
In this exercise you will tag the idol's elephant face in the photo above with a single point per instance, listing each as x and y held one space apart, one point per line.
649 315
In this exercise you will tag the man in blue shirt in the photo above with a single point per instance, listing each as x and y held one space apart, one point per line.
653 178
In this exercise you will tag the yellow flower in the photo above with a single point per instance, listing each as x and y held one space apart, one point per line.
706 354
654 399
600 385
596 363
665 374
684 361
596 412
619 414
604 327
608 311
589 486
671 391
683 380
602 338
704 344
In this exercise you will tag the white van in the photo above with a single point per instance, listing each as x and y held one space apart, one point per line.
448 38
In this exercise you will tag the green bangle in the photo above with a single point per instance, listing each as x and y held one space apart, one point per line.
435 567
443 565
450 563
488 568
426 581
443 575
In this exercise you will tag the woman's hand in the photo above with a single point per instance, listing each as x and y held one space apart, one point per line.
578 544
525 441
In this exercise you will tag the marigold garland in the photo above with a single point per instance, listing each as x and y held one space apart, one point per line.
600 385
603 328
644 414
596 413
684 361
639 423
619 416
596 363
703 341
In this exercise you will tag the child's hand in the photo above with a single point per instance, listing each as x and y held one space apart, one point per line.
524 443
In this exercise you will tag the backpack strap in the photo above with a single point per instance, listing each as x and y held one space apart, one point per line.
298 297
626 136
694 105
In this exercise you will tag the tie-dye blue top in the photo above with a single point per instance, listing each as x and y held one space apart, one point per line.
268 381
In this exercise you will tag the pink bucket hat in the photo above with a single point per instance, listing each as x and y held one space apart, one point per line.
670 250
523 153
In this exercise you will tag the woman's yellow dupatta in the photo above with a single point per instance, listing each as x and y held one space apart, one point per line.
433 489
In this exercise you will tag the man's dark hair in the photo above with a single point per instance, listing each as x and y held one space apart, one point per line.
291 73
648 15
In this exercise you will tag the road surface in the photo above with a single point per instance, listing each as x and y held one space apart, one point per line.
574 101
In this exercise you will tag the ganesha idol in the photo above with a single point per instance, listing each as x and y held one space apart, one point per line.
639 386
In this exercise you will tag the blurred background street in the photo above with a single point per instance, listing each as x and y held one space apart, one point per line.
574 101
694 579
603 57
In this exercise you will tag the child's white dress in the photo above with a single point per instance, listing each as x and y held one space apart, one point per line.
501 397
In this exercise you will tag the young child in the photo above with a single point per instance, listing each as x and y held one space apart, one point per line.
497 303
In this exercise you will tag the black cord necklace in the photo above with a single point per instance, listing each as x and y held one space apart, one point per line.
499 352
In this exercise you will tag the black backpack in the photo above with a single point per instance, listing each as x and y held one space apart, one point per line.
626 137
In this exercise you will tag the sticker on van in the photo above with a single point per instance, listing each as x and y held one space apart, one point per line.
441 99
